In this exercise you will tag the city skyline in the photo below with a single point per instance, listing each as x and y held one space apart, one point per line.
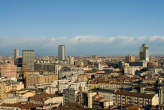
126 41
104 28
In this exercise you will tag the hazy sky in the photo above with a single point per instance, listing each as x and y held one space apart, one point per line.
86 27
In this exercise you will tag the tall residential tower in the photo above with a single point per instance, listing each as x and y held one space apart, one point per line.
61 52
28 59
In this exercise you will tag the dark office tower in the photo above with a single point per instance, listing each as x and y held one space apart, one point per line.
28 59
61 52
16 55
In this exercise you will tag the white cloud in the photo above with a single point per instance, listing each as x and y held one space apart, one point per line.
80 39
157 38
50 43
77 40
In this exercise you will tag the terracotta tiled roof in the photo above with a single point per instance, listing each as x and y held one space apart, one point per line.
24 105
42 97
72 106
134 94
131 107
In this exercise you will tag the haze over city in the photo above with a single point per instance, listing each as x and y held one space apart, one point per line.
85 27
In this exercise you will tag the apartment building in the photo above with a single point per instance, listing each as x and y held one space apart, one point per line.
123 97
8 70
2 91
32 79
71 96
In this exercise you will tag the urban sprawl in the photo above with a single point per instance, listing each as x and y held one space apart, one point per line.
30 82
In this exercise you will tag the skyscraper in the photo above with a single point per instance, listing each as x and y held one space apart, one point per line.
144 52
61 52
28 59
16 53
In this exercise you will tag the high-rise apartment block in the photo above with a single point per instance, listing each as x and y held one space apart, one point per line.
144 52
61 52
28 59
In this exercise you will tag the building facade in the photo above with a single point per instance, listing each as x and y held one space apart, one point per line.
8 70
33 79
61 52
2 91
161 95
144 53
28 59
130 58
71 96
123 97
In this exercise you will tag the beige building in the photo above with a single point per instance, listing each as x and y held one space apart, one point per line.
15 99
131 70
90 100
33 79
130 58
8 86
48 100
71 60
100 102
123 97
2 91
13 86
8 70
25 93
84 77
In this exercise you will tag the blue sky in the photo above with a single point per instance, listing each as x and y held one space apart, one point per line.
86 27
